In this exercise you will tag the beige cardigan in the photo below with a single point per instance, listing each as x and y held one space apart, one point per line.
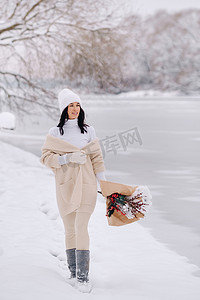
76 184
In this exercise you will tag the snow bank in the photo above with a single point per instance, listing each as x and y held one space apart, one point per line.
7 120
125 261
133 95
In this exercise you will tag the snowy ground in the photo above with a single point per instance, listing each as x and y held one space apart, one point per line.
167 162
125 261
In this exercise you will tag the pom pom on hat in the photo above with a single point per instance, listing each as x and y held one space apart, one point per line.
65 97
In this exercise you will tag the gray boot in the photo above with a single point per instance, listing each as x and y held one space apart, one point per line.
82 262
71 261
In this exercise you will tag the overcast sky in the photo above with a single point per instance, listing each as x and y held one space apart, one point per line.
146 7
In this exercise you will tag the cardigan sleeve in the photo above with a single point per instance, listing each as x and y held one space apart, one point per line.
50 159
97 159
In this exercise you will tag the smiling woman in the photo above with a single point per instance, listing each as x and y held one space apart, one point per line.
73 110
73 152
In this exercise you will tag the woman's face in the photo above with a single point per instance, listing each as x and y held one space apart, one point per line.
73 110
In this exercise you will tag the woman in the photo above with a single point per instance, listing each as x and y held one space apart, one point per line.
73 152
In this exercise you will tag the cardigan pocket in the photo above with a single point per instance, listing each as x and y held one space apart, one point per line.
66 190
89 193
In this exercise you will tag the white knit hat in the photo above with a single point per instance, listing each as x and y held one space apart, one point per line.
65 97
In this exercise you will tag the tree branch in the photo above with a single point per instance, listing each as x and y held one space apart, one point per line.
15 9
32 9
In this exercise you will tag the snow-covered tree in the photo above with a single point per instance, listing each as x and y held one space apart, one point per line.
47 39
94 45
169 52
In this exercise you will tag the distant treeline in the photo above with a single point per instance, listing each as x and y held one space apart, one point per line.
161 52
94 46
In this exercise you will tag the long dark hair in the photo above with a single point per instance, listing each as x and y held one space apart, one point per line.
81 120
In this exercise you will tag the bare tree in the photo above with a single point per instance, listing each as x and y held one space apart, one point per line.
42 39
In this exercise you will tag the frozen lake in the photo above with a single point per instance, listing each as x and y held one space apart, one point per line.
167 159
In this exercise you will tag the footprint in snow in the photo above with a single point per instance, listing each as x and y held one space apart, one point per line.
61 258
51 214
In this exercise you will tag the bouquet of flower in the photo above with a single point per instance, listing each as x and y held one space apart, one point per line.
128 204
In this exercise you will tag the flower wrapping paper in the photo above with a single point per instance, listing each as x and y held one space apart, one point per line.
125 204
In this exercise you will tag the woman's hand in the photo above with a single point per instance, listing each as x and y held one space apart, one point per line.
78 157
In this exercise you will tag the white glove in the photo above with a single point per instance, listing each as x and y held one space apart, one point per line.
63 159
78 157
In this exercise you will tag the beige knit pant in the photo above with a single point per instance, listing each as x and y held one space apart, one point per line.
76 230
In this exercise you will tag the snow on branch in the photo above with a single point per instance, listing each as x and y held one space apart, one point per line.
21 93
36 35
